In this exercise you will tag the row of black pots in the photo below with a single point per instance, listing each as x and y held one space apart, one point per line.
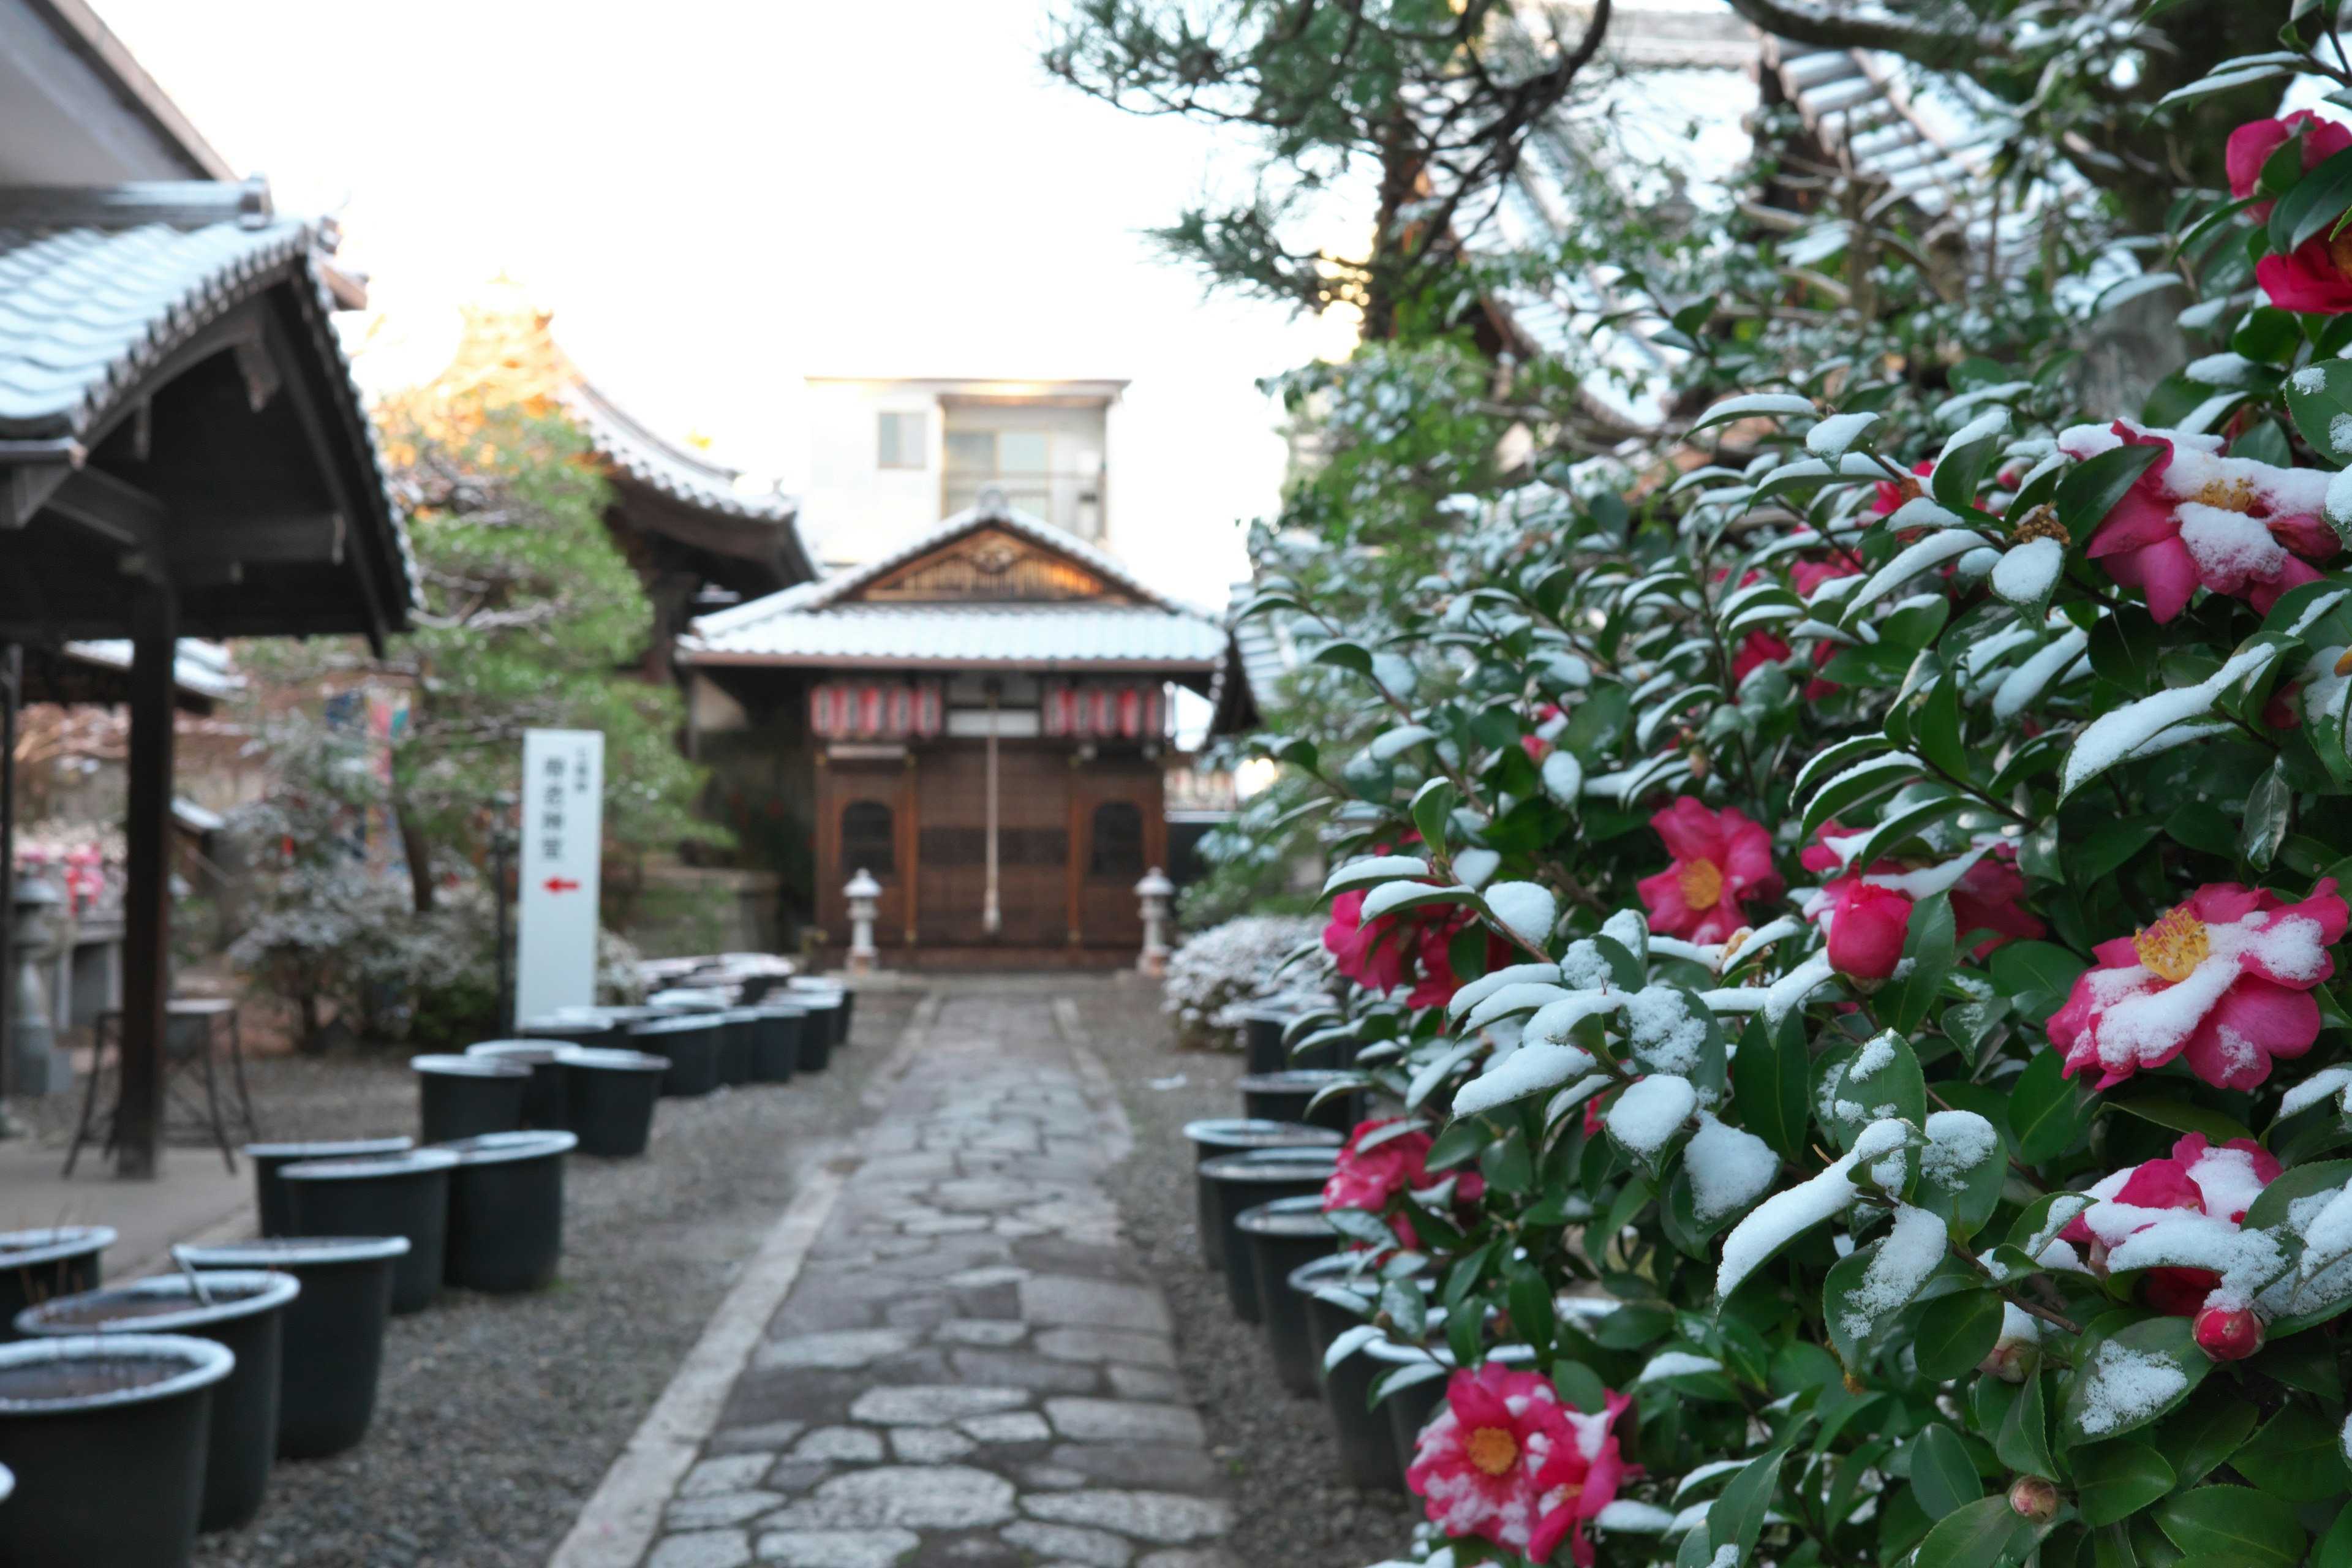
1265 1040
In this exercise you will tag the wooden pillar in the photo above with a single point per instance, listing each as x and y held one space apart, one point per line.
911 825
1074 873
147 899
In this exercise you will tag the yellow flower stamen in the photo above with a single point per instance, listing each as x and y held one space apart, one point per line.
1701 882
1493 1449
2174 946
2229 495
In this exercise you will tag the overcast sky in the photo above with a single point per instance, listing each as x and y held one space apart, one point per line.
718 197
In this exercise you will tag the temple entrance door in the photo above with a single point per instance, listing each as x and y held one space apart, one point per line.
1031 844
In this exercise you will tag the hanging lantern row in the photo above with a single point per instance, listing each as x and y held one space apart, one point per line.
1107 712
865 709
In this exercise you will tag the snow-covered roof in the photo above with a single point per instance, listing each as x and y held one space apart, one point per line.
829 622
198 666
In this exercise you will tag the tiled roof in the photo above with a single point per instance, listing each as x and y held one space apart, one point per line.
656 464
100 287
821 623
912 635
202 667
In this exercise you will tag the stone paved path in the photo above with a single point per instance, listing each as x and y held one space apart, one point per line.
971 1371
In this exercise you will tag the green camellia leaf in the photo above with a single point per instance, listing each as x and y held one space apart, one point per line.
1930 945
1881 1079
2201 1435
1943 1477
2045 1110
2091 491
2181 1116
1738 1517
1956 1333
2023 1442
2118 1479
2235 1523
2295 1456
1971 1537
2317 397
2132 1377
2317 200
1770 1078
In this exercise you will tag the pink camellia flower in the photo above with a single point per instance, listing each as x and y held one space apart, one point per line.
1579 1481
2197 519
2314 278
1892 494
1870 916
1385 953
1505 1461
2225 977
1760 649
1360 950
2252 145
2218 1184
1722 860
1368 1178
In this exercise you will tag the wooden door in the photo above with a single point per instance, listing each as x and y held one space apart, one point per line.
1119 830
1033 844
865 821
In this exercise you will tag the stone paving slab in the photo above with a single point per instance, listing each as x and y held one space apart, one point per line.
971 1370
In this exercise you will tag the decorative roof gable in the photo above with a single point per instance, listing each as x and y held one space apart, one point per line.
991 564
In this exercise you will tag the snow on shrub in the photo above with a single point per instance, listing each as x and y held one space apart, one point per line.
1223 969
1864 949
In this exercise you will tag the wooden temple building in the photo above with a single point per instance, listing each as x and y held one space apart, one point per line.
182 450
983 716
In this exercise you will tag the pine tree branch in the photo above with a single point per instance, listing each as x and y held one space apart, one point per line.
1825 24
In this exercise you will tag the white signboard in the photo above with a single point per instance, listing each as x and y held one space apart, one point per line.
563 833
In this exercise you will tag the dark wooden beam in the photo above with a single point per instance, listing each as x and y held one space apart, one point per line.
147 898
116 511
312 408
314 538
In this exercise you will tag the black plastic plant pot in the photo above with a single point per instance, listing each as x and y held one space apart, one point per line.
37 1266
610 1096
331 1341
398 1194
823 1026
242 1310
738 1033
691 1045
542 1102
596 1028
1282 1236
842 1001
1283 1096
820 1028
1230 1135
506 1211
458 1097
776 1041
1368 1457
270 1197
1239 1182
105 1433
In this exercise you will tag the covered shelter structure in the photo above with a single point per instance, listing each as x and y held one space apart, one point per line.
987 714
182 450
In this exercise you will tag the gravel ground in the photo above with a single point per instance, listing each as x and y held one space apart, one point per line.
1290 1510
497 1415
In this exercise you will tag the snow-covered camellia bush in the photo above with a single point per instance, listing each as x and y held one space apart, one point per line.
1855 941
1230 965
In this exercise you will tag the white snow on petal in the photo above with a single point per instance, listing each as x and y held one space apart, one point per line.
1647 1115
1729 1168
1911 1251
2229 543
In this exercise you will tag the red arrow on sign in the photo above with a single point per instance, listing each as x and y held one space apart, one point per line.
561 885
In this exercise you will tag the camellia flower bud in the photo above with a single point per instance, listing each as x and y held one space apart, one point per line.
2018 1352
2033 1499
2229 1333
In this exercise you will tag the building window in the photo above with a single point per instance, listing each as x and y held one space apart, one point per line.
867 843
1117 841
903 441
971 451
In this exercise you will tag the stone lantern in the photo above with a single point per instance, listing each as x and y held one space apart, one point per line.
40 915
1155 890
865 895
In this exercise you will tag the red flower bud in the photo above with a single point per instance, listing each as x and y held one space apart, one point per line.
2229 1333
2033 1499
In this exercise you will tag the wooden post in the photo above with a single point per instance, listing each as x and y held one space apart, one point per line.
1073 873
912 826
147 899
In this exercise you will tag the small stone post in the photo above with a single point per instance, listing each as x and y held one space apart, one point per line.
864 894
1155 890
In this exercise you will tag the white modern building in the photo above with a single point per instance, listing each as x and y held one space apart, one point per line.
889 459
